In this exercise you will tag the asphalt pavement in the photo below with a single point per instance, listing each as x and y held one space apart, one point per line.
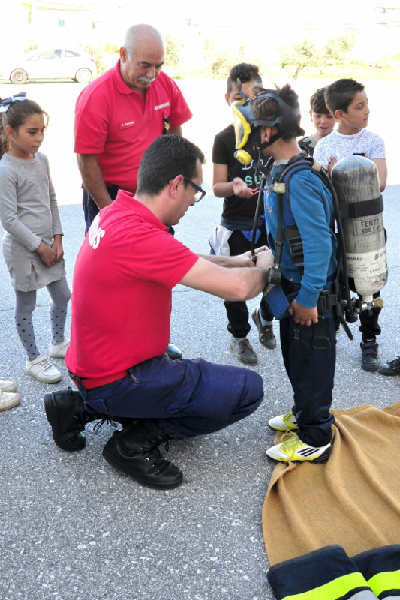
73 528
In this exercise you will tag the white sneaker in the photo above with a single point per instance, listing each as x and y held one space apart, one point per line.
59 350
292 449
40 368
285 422
7 386
8 400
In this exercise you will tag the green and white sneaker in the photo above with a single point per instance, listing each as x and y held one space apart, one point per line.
285 422
292 449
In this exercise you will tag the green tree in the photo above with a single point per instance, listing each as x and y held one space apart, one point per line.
220 59
306 53
173 47
337 48
300 55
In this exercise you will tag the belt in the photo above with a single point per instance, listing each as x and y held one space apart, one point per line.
89 383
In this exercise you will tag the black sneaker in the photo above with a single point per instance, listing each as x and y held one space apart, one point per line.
391 368
244 352
134 450
370 357
66 414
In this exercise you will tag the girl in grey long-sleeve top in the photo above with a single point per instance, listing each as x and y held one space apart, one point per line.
32 244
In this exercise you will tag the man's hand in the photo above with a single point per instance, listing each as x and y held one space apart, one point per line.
264 256
303 315
241 189
93 180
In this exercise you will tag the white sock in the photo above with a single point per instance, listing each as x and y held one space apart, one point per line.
263 322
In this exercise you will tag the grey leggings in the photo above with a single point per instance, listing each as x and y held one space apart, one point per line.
25 303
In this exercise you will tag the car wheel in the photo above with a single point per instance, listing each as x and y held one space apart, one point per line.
19 76
83 76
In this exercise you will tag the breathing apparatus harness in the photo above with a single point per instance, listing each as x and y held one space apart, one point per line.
248 138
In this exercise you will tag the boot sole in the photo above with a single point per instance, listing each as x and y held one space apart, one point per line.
111 455
370 369
52 417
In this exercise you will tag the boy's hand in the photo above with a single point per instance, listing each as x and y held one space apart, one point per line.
331 164
57 246
241 189
47 254
303 315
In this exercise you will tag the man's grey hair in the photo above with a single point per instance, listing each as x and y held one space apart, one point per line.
142 30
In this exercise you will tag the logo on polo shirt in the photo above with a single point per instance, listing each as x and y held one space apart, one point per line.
161 106
95 233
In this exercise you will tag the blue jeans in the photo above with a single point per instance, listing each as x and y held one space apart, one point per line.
186 397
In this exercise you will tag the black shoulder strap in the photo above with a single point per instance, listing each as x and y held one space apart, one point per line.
281 186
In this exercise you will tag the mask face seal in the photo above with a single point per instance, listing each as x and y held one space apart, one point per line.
247 138
247 126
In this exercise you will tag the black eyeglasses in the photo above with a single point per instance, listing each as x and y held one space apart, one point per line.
200 193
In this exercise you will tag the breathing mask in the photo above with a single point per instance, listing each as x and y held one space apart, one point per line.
247 126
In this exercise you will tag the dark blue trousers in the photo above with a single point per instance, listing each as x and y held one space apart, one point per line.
311 371
186 397
90 208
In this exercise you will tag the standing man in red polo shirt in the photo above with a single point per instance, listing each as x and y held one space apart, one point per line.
119 115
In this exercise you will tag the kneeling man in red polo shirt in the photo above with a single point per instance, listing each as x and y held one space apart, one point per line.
117 356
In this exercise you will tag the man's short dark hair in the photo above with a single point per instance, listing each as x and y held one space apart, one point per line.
166 158
317 102
265 107
244 72
340 94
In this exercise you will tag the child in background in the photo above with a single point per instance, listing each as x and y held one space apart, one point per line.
323 120
237 184
32 244
348 102
8 397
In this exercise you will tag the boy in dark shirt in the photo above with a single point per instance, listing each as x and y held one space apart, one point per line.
238 184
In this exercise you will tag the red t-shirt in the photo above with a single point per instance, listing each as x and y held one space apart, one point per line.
122 290
114 122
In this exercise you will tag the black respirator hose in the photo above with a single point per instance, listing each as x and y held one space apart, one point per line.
256 216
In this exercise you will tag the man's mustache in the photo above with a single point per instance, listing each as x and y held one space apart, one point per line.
146 79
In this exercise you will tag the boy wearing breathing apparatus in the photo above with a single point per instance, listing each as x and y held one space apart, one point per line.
269 124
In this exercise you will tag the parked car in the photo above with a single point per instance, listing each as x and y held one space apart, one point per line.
51 63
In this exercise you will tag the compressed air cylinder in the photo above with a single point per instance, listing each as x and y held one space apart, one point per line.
355 179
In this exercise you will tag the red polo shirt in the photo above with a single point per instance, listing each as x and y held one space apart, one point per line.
122 290
114 122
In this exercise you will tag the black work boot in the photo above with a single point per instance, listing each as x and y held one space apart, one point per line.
67 416
370 356
391 368
173 352
134 450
